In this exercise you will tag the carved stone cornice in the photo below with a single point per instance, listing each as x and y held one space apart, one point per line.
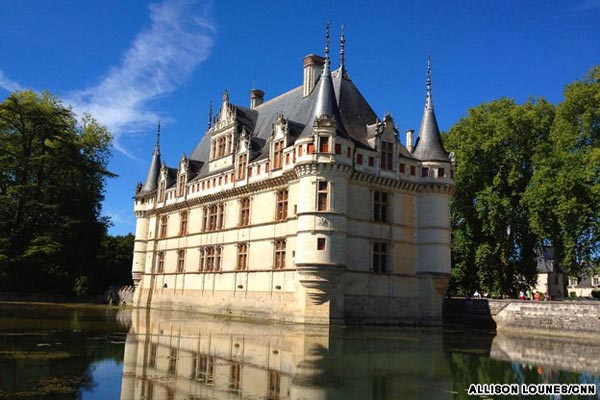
228 194
313 168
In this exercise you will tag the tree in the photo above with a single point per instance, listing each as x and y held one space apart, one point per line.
564 195
52 177
493 245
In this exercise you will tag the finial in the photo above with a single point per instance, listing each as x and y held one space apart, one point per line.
225 96
327 43
210 115
158 134
342 51
429 102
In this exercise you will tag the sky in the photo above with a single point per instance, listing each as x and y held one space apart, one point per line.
133 63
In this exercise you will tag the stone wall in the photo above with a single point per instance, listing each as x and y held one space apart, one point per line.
564 318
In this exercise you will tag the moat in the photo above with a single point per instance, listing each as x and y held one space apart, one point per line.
76 352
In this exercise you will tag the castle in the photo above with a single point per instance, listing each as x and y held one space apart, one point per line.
304 208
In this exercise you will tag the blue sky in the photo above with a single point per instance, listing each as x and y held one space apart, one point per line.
133 63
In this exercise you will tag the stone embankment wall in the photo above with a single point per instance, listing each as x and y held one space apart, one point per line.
555 318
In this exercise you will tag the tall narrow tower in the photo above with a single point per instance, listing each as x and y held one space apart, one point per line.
433 213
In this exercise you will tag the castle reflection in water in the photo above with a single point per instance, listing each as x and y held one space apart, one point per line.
172 355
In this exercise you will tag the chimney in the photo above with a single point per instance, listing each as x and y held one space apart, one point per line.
313 65
409 139
257 97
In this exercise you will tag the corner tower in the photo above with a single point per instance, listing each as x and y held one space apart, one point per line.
433 213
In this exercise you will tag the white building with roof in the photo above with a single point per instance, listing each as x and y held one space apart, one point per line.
303 208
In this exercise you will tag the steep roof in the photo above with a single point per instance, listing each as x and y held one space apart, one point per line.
352 109
151 182
429 145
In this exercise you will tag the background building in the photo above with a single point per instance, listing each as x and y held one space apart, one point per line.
305 208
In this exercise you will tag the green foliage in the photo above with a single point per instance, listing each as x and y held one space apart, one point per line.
526 176
52 177
596 294
564 196
493 246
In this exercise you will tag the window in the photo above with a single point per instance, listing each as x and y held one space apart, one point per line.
387 156
322 192
371 161
206 369
596 281
183 223
300 150
163 226
242 160
202 262
278 154
380 257
413 170
380 206
424 172
210 259
274 392
321 244
338 148
235 382
282 205
181 185
245 211
323 144
573 281
310 148
180 260
214 217
359 159
402 168
348 152
205 213
153 351
279 254
242 264
249 173
172 361
221 216
441 172
160 262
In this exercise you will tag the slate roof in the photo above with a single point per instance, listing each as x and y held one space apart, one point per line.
354 111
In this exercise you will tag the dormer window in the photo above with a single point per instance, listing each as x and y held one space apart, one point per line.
323 144
181 185
161 190
387 154
242 162
278 154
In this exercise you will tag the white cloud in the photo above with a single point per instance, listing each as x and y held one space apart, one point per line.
160 58
8 84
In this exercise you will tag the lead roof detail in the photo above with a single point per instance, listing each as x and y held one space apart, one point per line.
151 182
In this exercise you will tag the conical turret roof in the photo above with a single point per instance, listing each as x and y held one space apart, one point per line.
151 182
429 145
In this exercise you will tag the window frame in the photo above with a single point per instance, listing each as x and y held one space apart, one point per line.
279 252
380 262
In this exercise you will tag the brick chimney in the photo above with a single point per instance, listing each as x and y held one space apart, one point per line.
313 65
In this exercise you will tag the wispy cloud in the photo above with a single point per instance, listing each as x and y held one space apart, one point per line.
8 84
159 60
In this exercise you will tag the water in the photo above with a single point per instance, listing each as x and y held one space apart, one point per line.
49 352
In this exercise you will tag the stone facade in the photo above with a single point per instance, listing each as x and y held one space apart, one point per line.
304 208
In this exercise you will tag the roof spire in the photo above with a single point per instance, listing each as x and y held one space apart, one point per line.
342 49
157 146
151 182
327 44
429 146
429 100
210 115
